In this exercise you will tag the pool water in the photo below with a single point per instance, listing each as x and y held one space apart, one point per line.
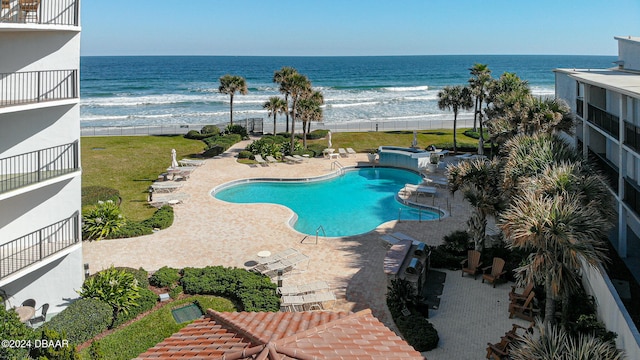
354 203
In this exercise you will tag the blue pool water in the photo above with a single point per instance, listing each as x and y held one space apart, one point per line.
354 203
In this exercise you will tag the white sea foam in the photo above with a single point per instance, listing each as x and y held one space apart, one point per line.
407 88
338 106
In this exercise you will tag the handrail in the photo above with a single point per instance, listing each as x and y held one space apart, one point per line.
318 230
32 87
336 164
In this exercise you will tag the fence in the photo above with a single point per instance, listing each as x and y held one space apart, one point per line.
49 12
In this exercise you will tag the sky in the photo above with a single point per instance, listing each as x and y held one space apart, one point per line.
355 27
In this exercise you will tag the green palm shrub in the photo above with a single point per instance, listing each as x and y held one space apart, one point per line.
102 220
118 288
148 299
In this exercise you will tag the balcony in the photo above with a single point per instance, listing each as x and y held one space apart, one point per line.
580 107
37 86
632 136
608 169
33 167
632 195
47 12
38 245
607 122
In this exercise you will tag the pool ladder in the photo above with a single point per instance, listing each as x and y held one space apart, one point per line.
336 165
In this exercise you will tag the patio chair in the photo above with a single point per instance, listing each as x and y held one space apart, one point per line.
471 264
350 151
283 265
260 160
419 190
514 296
164 187
500 350
275 258
40 318
29 6
496 271
29 302
6 4
526 311
303 289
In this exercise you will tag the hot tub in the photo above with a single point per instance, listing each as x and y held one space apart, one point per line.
408 158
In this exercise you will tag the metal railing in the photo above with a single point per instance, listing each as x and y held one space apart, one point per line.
46 12
632 194
17 254
632 136
35 86
604 120
36 166
608 168
580 107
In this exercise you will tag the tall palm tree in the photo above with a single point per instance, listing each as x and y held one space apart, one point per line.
505 97
275 105
230 85
309 110
296 85
455 98
481 76
280 77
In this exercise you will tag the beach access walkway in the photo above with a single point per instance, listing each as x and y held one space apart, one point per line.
207 232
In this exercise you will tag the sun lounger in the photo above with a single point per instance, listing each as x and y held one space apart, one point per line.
283 265
401 236
275 257
350 151
165 187
419 190
303 289
300 158
260 160
290 159
271 159
436 182
168 199
342 152
464 156
306 302
191 162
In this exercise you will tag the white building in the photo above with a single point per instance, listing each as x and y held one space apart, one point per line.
40 239
607 107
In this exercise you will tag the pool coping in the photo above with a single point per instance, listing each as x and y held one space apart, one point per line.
294 217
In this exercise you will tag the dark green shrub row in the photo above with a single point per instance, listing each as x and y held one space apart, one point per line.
317 134
253 291
48 336
441 258
476 134
12 328
175 292
82 320
216 145
269 145
196 135
316 149
237 129
165 277
244 154
210 130
418 332
148 299
161 219
92 194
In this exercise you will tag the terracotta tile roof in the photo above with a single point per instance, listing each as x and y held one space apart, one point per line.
284 335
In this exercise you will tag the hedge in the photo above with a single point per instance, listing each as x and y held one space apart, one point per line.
317 134
161 219
216 145
165 277
254 292
82 320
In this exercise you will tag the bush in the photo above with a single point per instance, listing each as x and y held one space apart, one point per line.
441 258
95 351
418 332
216 145
476 134
12 328
54 352
82 320
238 129
457 243
254 292
165 277
316 149
317 134
141 275
244 154
92 194
101 221
210 130
131 229
148 299
118 288
175 292
268 145
161 219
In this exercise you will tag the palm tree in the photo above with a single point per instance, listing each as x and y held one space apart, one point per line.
296 85
480 182
280 77
455 98
481 76
231 84
275 105
505 97
309 110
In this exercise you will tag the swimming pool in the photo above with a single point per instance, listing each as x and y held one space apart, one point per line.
354 203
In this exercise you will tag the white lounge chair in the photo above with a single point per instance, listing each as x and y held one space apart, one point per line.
401 236
291 160
306 302
300 158
275 257
464 156
436 182
303 289
343 152
260 160
350 151
165 187
191 162
283 265
419 190
271 159
167 199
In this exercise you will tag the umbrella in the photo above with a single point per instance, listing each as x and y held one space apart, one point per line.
174 162
329 134
414 143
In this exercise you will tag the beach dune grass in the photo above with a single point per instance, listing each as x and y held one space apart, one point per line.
129 164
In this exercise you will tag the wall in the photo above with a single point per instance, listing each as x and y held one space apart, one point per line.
629 52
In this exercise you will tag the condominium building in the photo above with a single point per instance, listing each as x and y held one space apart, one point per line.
40 239
606 103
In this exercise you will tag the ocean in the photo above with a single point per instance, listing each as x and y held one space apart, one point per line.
162 90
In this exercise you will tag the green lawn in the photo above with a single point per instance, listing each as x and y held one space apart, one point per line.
129 164
133 340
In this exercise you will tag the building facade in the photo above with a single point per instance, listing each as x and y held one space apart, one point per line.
40 188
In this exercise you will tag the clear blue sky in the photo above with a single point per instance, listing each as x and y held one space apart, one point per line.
355 27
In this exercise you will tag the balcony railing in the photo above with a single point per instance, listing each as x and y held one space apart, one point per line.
580 107
632 136
37 86
36 246
33 167
604 120
47 12
608 169
632 194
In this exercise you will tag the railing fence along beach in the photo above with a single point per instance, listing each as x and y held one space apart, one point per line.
267 126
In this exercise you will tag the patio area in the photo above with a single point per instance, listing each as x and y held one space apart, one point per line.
207 231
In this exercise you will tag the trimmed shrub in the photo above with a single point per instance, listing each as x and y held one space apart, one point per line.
317 134
161 219
92 194
131 229
237 129
82 320
476 134
175 292
196 135
54 352
148 299
244 154
165 277
12 328
210 130
253 291
216 145
316 149
418 332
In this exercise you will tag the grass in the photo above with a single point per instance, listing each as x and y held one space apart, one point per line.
132 340
129 164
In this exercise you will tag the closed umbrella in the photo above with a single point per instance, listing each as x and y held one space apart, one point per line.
414 143
174 162
329 135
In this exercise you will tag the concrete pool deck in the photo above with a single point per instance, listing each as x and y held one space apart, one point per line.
207 231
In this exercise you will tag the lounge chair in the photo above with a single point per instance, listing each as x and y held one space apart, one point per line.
168 199
514 296
465 156
271 159
435 182
350 151
343 152
260 160
291 160
303 289
401 236
165 187
300 158
306 302
191 162
526 311
472 263
283 265
496 271
276 257
419 190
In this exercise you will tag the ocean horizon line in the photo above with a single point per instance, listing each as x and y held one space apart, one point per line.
344 56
